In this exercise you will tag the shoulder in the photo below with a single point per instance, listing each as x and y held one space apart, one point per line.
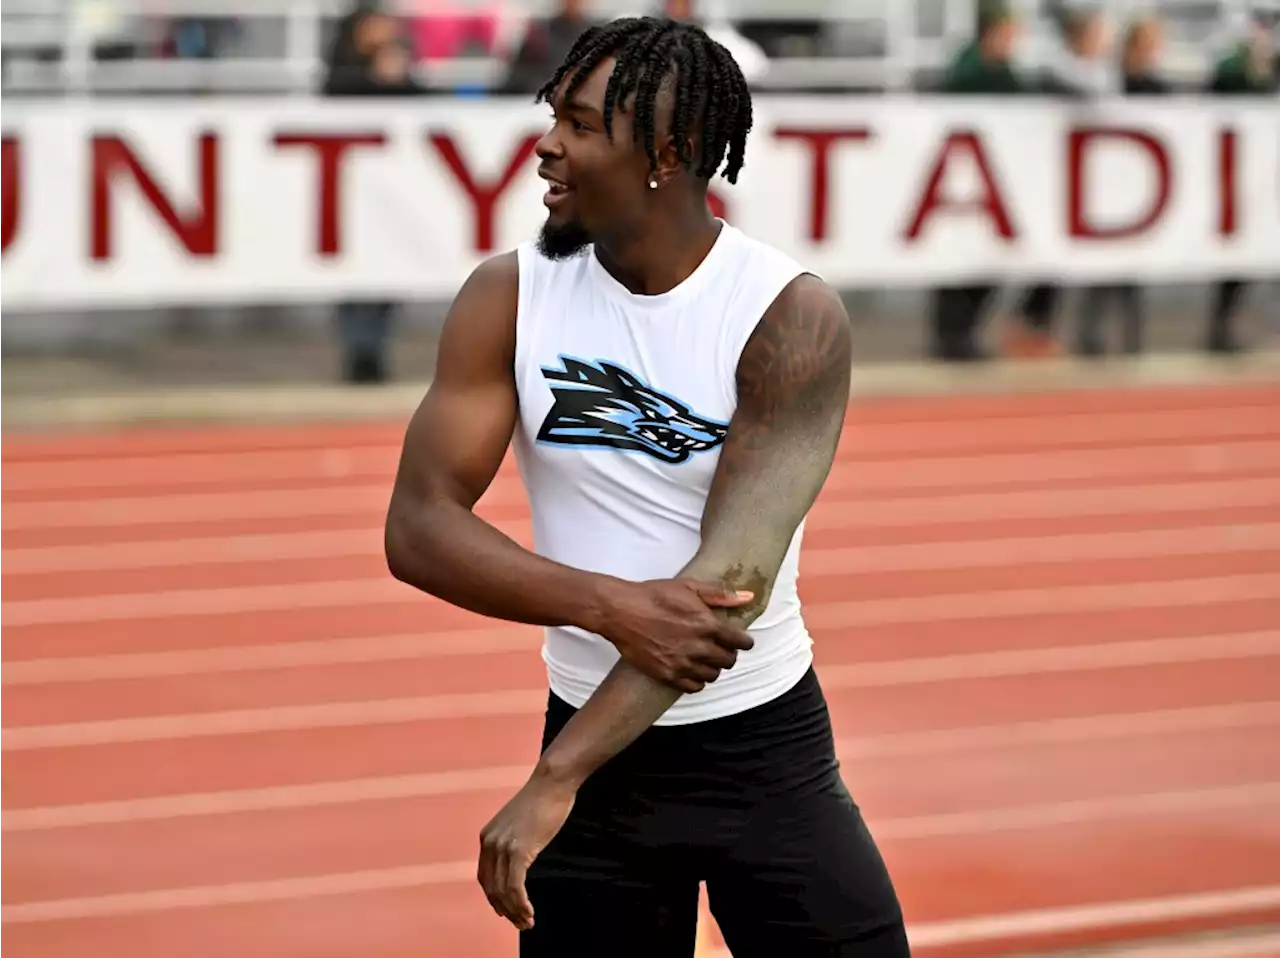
493 287
481 322
804 338
501 271
806 303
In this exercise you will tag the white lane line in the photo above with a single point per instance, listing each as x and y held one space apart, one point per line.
1091 428
916 556
197 507
1044 504
1060 731
1221 945
200 468
293 596
380 648
1042 550
275 719
1053 429
254 892
523 701
126 511
354 791
167 473
519 638
1066 658
1051 465
1049 921
205 550
1172 593
1240 901
987 821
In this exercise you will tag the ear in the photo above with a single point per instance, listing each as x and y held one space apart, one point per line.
669 165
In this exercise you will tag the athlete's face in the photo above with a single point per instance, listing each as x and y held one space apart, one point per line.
598 185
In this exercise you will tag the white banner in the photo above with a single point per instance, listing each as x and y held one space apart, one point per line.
142 203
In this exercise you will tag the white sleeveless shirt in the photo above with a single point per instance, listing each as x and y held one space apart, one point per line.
624 404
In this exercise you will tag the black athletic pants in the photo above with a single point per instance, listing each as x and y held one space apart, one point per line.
1093 309
753 805
1226 298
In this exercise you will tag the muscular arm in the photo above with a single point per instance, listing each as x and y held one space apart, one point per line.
793 388
454 444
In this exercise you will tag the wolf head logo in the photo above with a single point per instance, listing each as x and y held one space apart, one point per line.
603 405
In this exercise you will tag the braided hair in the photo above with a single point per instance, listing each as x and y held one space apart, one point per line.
709 86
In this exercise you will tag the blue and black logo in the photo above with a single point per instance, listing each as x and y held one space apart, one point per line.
599 404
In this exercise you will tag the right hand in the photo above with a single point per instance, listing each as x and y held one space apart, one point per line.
666 628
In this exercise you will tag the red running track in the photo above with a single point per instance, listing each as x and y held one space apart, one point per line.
1048 626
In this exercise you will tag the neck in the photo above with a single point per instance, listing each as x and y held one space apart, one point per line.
664 253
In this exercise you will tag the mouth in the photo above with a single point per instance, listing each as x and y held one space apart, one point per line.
557 191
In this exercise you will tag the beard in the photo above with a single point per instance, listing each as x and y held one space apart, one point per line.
559 241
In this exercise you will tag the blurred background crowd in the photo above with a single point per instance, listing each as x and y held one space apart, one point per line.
478 48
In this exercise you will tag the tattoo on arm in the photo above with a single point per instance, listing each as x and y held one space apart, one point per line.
793 388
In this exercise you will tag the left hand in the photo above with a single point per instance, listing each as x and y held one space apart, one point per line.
514 838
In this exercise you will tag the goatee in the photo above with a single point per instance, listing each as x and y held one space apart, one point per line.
562 240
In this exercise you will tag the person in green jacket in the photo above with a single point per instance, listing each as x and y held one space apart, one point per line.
984 67
1248 69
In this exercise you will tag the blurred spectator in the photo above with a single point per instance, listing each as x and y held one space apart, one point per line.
546 44
443 29
751 58
369 58
985 67
1075 66
1140 76
201 38
1248 69
1078 64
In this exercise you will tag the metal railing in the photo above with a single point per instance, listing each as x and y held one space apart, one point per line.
55 47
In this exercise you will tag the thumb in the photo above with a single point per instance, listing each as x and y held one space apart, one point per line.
717 595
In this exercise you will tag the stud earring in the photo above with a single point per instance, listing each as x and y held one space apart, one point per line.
653 184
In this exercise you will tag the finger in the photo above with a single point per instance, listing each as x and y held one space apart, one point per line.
486 874
734 637
704 671
715 656
516 896
500 882
721 596
689 685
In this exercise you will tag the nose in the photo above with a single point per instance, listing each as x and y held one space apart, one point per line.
549 145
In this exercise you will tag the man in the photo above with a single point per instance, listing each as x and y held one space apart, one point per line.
546 43
1140 76
1248 69
368 58
675 393
985 67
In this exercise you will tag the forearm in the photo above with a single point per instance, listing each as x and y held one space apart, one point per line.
628 702
449 552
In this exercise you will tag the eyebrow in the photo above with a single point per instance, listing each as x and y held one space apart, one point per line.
577 106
